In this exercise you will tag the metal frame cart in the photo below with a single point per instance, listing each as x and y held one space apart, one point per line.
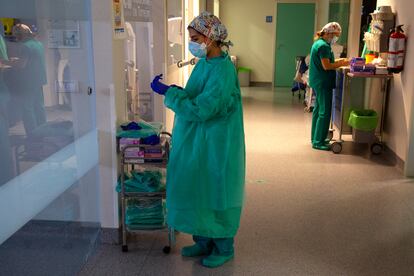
128 164
343 102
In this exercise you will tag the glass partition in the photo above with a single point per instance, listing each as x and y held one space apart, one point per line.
49 155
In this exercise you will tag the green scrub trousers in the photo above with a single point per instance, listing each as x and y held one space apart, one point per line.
321 118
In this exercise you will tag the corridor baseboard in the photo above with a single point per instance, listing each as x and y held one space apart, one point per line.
260 84
393 157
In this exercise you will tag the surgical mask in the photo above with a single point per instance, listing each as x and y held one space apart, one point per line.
334 40
198 50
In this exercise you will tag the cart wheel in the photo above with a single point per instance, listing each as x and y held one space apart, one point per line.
166 250
376 148
125 248
336 147
330 135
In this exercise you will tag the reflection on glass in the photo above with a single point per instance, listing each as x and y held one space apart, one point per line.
31 132
175 38
175 32
6 170
30 68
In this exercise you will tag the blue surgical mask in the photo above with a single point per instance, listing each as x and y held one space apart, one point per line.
198 50
334 40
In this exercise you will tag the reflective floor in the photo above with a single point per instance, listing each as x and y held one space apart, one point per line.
307 212
48 248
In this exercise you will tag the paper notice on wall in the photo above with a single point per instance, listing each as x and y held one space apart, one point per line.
138 10
63 34
118 20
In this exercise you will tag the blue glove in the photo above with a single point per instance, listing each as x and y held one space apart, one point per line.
159 87
131 126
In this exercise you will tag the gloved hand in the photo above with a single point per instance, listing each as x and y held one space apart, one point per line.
159 87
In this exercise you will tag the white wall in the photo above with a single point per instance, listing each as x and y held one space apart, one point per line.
354 28
323 13
251 35
253 38
399 124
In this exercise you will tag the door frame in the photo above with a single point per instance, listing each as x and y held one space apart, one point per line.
276 2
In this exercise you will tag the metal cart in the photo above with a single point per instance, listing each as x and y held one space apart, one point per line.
128 164
346 97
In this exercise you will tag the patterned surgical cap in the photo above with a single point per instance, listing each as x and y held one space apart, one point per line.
332 27
210 26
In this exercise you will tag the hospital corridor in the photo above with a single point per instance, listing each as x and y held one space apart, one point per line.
206 137
303 216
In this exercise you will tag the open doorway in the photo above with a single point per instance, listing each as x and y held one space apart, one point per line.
368 6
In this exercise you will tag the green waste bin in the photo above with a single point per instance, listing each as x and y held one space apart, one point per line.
364 124
244 76
365 120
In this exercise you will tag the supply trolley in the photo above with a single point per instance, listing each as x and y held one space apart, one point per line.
134 163
351 93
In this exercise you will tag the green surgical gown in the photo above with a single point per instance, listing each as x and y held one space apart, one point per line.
206 170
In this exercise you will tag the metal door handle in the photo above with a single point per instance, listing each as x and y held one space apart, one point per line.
181 63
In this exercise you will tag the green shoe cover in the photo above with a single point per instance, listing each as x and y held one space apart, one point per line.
214 260
194 251
322 147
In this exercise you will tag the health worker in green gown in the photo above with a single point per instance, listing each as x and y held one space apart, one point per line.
32 73
322 78
6 161
206 170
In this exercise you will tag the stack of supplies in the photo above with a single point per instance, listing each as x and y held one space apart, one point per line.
141 133
143 182
359 66
381 70
139 130
147 213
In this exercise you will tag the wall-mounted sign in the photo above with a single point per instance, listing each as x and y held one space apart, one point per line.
138 10
63 34
67 87
118 20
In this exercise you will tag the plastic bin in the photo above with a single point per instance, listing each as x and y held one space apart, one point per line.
365 120
244 76
364 124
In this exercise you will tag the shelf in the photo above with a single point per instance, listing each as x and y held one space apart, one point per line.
150 195
161 165
148 228
356 75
